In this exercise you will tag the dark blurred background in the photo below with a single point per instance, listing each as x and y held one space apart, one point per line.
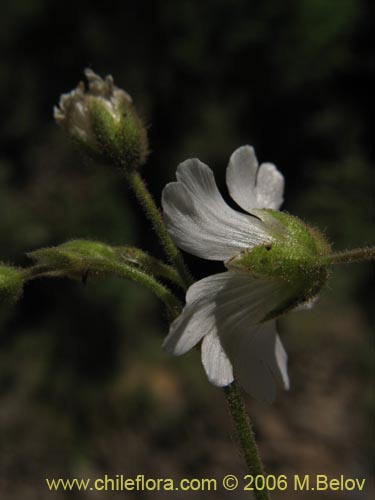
84 385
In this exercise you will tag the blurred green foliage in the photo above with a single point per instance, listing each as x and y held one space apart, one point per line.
81 368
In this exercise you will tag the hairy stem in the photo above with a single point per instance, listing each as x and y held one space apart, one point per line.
153 214
161 291
245 436
349 256
99 267
150 264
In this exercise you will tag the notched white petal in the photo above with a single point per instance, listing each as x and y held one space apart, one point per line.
241 177
225 310
200 222
251 186
199 179
269 187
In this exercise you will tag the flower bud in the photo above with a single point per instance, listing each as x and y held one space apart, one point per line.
11 284
103 120
296 258
75 258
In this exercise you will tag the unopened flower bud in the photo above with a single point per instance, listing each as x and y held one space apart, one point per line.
104 121
74 258
11 284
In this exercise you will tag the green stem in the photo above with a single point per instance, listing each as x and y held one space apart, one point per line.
349 256
161 291
245 436
150 264
153 214
37 271
99 266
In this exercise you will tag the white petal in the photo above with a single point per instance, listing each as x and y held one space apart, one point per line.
251 186
198 316
189 328
259 360
215 362
200 222
220 303
226 310
250 370
241 177
270 187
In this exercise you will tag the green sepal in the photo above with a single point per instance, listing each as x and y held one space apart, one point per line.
122 139
295 258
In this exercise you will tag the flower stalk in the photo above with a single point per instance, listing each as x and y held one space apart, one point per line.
245 436
162 292
150 264
153 214
351 256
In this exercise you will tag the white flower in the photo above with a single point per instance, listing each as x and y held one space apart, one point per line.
232 313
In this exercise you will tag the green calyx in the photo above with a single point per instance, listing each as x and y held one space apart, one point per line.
11 284
294 257
121 137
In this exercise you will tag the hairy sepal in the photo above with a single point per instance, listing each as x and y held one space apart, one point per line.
295 259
